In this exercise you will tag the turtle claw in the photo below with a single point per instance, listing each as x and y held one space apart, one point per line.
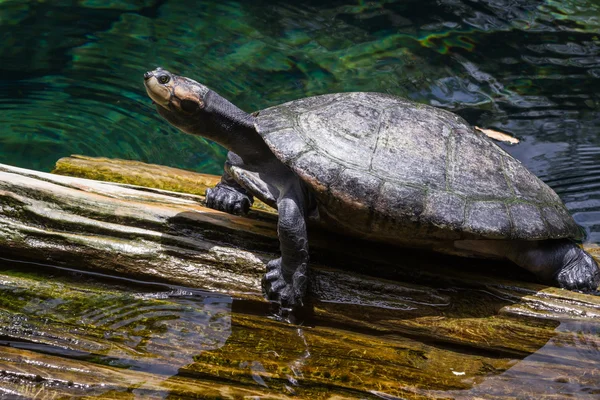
286 294
224 198
273 271
579 278
277 287
581 273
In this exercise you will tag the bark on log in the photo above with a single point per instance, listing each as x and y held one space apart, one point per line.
417 308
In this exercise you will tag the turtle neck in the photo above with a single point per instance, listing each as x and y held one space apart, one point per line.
233 129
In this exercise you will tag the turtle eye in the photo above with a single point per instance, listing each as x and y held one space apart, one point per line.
163 79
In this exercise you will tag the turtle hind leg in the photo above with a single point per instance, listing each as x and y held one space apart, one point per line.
579 272
557 262
573 268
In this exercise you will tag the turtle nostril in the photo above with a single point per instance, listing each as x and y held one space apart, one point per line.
148 75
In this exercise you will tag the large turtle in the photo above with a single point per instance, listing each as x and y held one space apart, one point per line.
381 168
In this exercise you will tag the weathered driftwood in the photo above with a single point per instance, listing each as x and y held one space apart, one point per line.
141 174
430 328
72 337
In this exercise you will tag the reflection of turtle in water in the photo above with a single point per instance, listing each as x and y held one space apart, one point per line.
380 168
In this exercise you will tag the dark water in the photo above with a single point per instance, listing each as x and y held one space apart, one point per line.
71 74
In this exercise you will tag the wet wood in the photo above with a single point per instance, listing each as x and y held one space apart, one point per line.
140 174
109 339
386 321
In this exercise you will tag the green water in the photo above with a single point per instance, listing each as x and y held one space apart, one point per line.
71 73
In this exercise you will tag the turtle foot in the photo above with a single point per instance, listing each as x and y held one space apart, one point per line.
286 292
580 273
225 198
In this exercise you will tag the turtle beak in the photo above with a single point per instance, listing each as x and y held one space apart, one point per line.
160 94
150 74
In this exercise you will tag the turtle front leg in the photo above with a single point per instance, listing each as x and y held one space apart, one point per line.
229 196
286 279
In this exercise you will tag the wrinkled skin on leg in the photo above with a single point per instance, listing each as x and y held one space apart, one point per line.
286 280
559 263
229 196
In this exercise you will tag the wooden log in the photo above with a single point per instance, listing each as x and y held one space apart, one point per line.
135 173
386 322
91 336
141 174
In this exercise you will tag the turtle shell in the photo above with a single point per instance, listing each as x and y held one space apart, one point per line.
387 168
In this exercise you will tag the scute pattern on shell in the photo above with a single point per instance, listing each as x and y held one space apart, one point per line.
394 167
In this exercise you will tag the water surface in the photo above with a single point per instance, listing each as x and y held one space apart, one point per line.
71 334
70 77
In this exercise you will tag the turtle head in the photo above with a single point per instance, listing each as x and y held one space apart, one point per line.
178 99
194 108
181 101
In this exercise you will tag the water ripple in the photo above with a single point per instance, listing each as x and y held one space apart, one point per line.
71 76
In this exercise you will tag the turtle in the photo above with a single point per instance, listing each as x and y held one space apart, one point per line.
381 168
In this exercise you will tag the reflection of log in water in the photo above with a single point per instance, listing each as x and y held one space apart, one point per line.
548 372
442 331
